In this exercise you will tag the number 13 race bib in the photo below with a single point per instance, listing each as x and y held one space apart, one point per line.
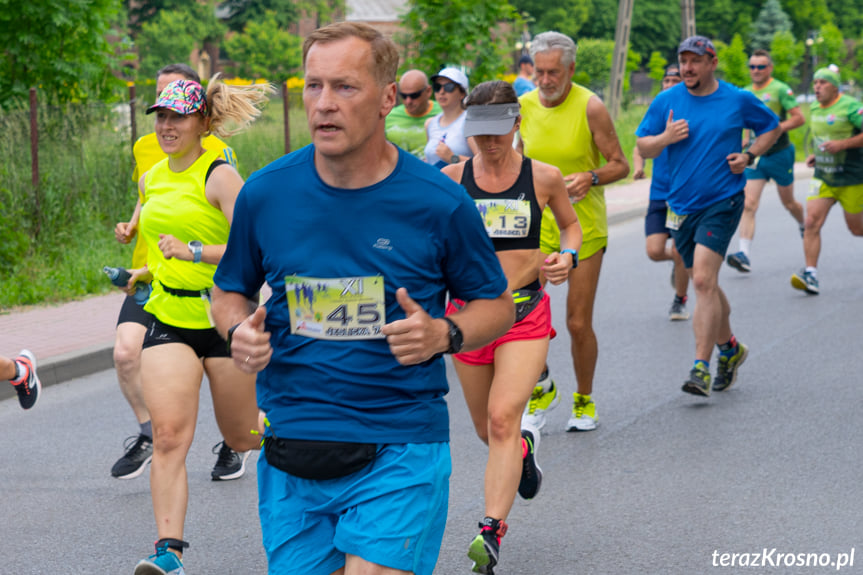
336 308
505 218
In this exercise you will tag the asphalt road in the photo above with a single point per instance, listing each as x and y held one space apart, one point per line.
668 484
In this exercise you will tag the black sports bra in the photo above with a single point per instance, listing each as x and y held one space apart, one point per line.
512 217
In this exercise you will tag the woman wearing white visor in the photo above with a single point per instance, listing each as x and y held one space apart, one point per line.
511 192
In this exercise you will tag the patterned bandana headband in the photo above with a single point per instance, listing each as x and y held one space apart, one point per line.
182 96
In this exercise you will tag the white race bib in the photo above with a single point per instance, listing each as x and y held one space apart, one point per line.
336 308
505 218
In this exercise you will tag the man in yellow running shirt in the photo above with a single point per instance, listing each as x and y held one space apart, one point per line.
133 321
568 126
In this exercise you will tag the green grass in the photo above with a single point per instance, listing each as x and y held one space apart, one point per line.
55 240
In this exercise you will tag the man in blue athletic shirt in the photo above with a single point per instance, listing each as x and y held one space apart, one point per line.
360 243
700 122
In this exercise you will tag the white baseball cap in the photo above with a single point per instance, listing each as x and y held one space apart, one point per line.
455 75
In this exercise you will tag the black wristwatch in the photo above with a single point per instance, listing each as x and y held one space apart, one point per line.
751 157
456 339
594 179
231 336
455 159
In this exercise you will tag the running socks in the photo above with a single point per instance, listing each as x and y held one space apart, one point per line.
147 429
681 299
21 373
728 348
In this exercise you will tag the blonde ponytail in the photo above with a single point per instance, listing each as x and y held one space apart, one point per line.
234 108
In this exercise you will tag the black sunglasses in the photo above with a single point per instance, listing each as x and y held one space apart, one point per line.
757 66
412 95
449 88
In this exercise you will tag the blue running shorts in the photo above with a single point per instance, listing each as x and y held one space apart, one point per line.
778 166
654 221
712 227
392 513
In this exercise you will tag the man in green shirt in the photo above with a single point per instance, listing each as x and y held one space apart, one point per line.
405 124
838 162
777 163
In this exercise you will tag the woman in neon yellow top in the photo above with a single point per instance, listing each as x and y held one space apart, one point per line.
185 223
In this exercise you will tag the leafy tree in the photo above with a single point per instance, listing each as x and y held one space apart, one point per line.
656 70
656 26
242 12
807 16
325 10
264 50
593 64
602 21
786 54
57 45
733 62
143 11
771 19
722 19
848 16
564 16
461 33
174 34
829 47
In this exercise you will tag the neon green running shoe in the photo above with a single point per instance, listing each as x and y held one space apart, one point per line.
540 403
584 416
698 382
726 371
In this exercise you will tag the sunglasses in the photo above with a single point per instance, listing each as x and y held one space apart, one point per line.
412 95
448 88
757 66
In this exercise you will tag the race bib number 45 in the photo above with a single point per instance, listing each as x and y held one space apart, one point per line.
336 308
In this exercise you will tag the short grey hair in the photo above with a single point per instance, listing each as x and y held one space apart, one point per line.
548 41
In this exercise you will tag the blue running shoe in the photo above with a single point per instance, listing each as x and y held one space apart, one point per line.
805 281
739 261
163 562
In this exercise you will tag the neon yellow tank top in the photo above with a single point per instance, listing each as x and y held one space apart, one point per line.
177 205
147 153
561 136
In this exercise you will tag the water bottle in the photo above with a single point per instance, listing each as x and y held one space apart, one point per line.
120 277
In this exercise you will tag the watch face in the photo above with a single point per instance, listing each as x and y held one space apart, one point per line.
195 244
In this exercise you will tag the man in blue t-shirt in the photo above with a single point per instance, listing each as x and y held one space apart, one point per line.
700 122
360 242
657 233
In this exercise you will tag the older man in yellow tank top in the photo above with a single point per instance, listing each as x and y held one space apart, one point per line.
568 126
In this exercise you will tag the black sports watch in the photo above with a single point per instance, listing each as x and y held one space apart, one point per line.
594 179
455 159
751 157
456 339
231 336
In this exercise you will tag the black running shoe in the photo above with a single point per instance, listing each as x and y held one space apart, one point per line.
484 550
139 452
230 464
531 474
29 386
